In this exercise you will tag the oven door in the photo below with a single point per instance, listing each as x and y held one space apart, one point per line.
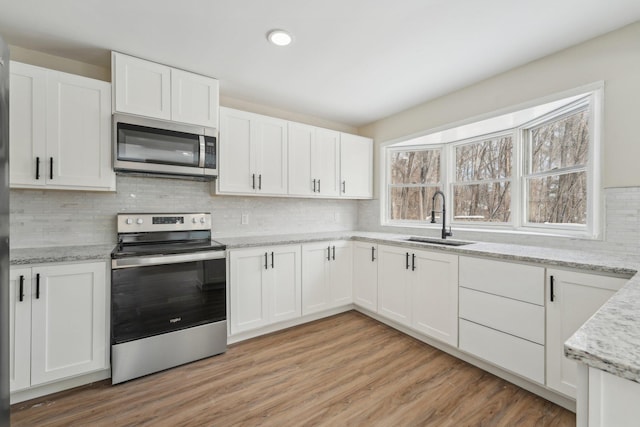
156 295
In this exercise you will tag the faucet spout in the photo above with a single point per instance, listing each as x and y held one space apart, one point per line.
445 233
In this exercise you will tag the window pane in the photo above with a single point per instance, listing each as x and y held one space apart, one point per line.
560 144
558 199
411 203
489 159
415 167
489 202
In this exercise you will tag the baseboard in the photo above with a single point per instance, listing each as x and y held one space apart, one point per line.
55 387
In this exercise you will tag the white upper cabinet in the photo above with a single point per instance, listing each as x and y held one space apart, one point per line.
356 166
141 87
194 99
314 161
60 130
253 154
149 89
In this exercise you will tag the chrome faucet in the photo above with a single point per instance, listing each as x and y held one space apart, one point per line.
445 233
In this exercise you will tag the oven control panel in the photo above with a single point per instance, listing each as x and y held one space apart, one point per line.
144 222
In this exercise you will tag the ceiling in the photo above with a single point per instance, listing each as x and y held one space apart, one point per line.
351 62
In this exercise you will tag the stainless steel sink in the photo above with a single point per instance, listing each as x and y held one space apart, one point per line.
436 241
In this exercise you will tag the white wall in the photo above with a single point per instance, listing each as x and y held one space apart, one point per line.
613 58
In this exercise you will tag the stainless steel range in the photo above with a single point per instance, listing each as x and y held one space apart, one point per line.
168 293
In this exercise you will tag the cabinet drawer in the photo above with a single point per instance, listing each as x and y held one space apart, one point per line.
517 281
514 317
506 351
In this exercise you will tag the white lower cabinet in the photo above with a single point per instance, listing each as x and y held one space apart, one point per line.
365 275
575 297
58 322
419 289
327 269
502 315
265 286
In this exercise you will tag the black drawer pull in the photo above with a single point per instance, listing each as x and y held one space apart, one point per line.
21 295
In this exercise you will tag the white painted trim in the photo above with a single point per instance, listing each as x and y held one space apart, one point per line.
57 386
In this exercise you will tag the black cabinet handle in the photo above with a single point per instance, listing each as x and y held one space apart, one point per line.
50 167
37 167
318 186
407 267
334 253
38 286
266 265
253 181
260 182
328 253
373 253
21 295
551 281
314 185
344 186
272 263
413 262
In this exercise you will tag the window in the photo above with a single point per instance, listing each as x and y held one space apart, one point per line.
415 176
533 170
556 179
482 187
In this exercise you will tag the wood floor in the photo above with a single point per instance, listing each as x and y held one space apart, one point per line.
346 370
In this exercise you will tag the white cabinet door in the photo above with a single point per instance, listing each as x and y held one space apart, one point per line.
435 295
325 162
78 132
356 166
253 154
194 99
365 275
576 297
141 87
27 128
286 283
248 289
68 321
341 273
316 294
236 171
271 152
394 287
301 140
19 328
60 130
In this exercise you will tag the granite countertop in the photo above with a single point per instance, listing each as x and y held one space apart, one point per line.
24 256
609 341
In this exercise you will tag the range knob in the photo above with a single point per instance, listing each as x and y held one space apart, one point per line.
202 220
194 220
129 221
139 221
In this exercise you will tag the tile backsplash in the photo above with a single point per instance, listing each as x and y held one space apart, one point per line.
52 217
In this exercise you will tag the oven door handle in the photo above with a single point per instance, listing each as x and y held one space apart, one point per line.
166 259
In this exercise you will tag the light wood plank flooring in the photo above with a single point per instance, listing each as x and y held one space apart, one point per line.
346 370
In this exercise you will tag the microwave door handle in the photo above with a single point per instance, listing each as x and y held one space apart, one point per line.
202 152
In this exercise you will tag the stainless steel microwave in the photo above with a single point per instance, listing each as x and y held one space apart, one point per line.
166 148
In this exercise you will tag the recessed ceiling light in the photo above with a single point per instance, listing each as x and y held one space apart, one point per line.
279 37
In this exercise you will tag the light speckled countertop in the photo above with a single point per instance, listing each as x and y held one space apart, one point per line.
610 340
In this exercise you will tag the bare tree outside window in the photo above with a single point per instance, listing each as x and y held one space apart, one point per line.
557 183
482 191
415 176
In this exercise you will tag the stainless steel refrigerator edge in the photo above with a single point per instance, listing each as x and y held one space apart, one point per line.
4 234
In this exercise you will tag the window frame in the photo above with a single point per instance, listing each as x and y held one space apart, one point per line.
390 186
453 182
591 94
